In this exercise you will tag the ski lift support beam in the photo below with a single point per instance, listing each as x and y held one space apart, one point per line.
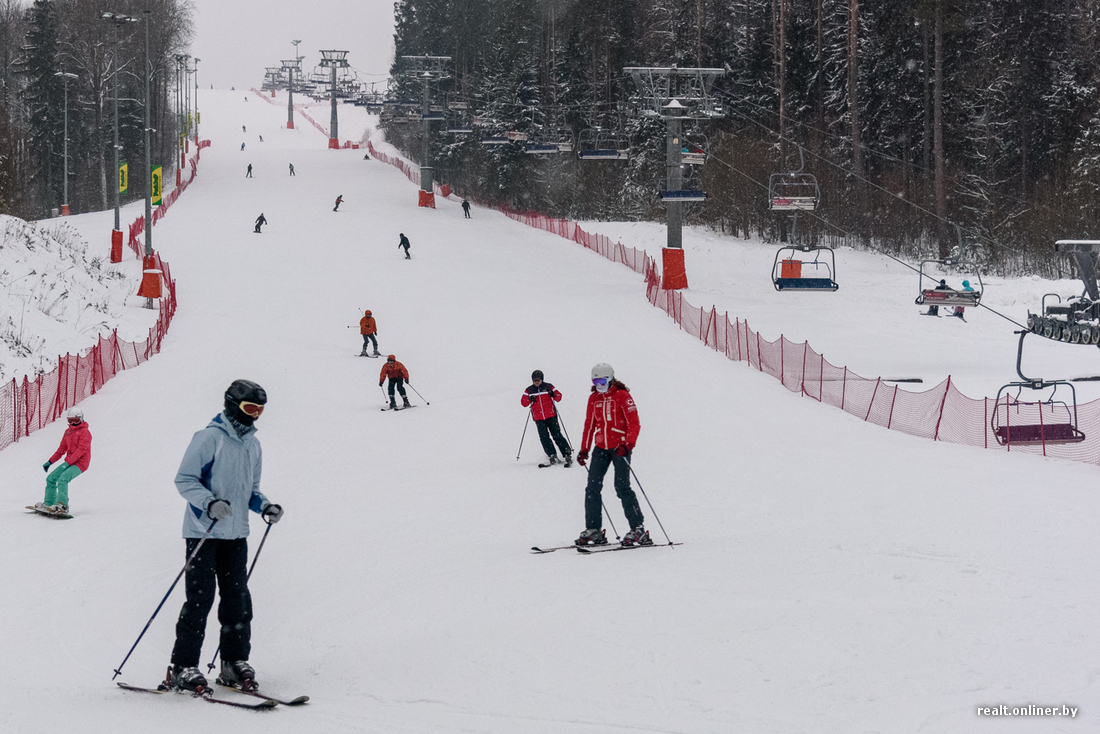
427 69
334 60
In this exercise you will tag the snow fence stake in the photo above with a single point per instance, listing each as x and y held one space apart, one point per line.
186 565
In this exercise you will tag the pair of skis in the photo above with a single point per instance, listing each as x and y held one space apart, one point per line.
600 548
206 694
398 408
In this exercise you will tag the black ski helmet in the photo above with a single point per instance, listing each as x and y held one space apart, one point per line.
536 375
243 390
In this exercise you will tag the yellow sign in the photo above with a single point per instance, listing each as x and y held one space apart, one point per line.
156 177
123 178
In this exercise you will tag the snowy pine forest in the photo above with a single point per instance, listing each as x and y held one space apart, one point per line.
914 116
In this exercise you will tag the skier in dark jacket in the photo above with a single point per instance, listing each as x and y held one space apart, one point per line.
540 397
339 201
466 208
260 221
249 174
933 309
404 243
220 479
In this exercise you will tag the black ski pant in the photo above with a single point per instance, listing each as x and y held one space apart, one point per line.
367 338
550 427
224 562
598 464
399 383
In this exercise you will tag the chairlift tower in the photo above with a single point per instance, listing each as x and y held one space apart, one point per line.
334 60
427 69
290 67
674 95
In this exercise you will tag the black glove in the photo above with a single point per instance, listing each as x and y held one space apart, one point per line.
273 513
46 467
219 510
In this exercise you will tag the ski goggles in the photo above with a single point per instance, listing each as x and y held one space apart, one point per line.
600 381
75 421
252 410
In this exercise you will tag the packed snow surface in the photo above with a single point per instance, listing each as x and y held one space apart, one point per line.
833 577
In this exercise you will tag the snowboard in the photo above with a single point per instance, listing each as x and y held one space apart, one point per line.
47 513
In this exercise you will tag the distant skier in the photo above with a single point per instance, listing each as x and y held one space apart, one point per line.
398 376
76 447
404 243
291 169
933 309
249 174
243 128
339 201
260 221
261 138
220 479
466 208
612 423
368 328
242 147
541 396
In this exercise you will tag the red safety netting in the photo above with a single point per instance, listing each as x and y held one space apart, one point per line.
298 107
941 413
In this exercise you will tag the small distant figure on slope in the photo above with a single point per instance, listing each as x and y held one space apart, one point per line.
249 174
466 208
540 397
369 328
243 128
260 221
339 201
291 169
242 147
934 310
406 244
261 138
76 447
398 376
612 423
220 479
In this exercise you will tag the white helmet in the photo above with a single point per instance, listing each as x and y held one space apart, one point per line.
76 413
603 369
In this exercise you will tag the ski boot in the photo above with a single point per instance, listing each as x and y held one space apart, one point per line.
637 536
407 403
363 353
568 460
376 353
41 506
393 404
591 537
554 460
185 679
58 508
238 675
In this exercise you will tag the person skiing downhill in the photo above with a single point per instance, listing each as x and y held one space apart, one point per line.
368 328
466 208
249 173
398 375
404 243
291 169
220 479
76 447
339 200
611 422
260 221
540 397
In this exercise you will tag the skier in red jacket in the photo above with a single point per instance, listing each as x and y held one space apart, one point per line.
541 396
76 447
612 424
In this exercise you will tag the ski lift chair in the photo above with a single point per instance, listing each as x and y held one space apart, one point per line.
693 149
793 192
950 296
1043 421
599 144
804 275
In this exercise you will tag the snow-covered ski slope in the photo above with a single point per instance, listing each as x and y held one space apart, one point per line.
834 576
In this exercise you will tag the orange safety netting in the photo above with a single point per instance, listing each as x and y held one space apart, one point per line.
941 413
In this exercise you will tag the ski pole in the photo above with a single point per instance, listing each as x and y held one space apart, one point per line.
417 393
384 397
562 424
186 565
525 424
648 502
603 504
246 578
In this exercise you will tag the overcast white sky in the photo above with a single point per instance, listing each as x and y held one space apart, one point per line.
237 39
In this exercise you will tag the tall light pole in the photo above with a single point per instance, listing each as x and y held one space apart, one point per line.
148 153
65 77
196 122
117 20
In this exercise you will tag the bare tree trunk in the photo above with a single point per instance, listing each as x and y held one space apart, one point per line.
937 124
853 86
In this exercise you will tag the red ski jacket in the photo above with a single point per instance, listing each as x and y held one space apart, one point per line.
541 399
77 443
611 420
367 325
397 370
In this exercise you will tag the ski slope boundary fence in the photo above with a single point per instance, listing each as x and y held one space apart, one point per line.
941 413
29 405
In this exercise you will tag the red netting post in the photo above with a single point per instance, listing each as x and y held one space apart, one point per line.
714 323
759 364
738 326
1042 430
936 436
844 388
27 406
805 348
985 422
821 380
872 403
14 411
782 359
894 399
726 328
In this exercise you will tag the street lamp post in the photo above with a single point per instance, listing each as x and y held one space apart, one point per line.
195 124
148 153
66 76
117 20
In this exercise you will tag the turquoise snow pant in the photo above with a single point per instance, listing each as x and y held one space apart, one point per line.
57 484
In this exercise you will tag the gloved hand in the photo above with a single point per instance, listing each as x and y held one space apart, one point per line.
46 467
380 383
623 449
219 510
582 457
273 513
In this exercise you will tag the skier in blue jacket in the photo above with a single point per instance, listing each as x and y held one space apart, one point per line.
220 479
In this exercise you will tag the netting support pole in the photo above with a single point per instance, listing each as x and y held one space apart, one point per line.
936 437
844 388
872 404
893 400
805 348
821 380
